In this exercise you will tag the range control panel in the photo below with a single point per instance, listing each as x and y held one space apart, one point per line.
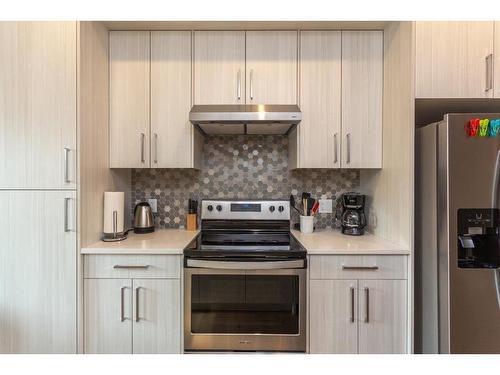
245 210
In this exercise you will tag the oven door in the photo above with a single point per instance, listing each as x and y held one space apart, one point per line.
245 306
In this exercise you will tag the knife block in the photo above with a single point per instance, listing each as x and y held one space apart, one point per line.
191 222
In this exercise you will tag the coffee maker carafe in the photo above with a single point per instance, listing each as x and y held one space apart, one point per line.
353 214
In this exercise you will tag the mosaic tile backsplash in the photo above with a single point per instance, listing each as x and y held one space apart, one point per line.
238 167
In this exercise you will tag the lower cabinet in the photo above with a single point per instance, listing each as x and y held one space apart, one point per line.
355 315
133 315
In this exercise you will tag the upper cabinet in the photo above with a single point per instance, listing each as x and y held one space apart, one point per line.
496 78
320 99
271 67
219 67
150 100
362 91
129 98
341 101
455 59
38 105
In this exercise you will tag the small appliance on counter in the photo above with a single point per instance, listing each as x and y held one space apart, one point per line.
353 220
113 223
143 218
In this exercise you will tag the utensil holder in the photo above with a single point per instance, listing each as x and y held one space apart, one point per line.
306 224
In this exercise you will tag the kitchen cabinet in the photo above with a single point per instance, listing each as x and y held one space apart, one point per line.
38 105
150 99
219 67
454 59
362 91
496 63
133 304
129 70
38 262
173 139
271 67
358 304
320 99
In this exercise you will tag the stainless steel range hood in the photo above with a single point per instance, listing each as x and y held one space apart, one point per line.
245 119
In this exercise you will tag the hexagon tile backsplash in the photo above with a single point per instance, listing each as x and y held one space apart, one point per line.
238 167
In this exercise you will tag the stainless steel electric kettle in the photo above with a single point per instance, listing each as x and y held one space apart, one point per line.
143 218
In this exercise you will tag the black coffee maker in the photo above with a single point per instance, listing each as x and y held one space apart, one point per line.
353 220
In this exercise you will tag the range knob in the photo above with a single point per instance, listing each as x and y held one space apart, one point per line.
281 208
219 208
210 207
272 208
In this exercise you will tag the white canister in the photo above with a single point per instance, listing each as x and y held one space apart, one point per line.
114 202
306 224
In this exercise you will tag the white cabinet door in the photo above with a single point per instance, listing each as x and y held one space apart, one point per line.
129 60
157 316
451 59
271 67
38 272
362 76
38 105
496 63
320 99
219 67
333 316
108 316
172 143
382 316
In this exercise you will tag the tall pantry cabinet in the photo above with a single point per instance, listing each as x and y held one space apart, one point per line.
38 180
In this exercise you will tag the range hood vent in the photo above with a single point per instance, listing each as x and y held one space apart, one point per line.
245 119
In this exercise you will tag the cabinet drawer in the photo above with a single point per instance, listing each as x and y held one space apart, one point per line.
358 267
132 266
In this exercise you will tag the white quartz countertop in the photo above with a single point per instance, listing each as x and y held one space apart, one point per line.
162 241
330 241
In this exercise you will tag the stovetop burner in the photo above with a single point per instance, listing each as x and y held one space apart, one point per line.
245 230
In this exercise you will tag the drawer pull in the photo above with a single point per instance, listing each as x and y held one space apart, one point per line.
119 266
360 268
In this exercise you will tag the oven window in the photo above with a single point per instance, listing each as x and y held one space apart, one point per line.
245 304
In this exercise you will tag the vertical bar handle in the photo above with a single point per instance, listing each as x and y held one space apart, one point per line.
66 164
335 151
115 223
251 84
66 215
238 89
137 318
143 136
489 72
156 148
348 140
122 303
352 304
367 305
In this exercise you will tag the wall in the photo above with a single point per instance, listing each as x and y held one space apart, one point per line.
238 167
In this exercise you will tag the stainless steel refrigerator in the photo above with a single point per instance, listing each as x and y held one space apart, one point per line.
457 256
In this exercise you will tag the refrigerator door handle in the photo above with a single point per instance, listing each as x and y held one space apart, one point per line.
494 190
497 285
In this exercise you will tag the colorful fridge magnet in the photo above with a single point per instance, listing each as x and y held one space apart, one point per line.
494 127
483 127
472 127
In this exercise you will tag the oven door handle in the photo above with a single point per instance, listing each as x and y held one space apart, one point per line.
231 265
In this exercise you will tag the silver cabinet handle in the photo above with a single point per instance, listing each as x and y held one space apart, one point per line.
367 303
251 84
335 157
359 268
348 140
143 136
352 304
122 303
66 164
489 72
137 318
66 215
134 267
156 148
238 89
